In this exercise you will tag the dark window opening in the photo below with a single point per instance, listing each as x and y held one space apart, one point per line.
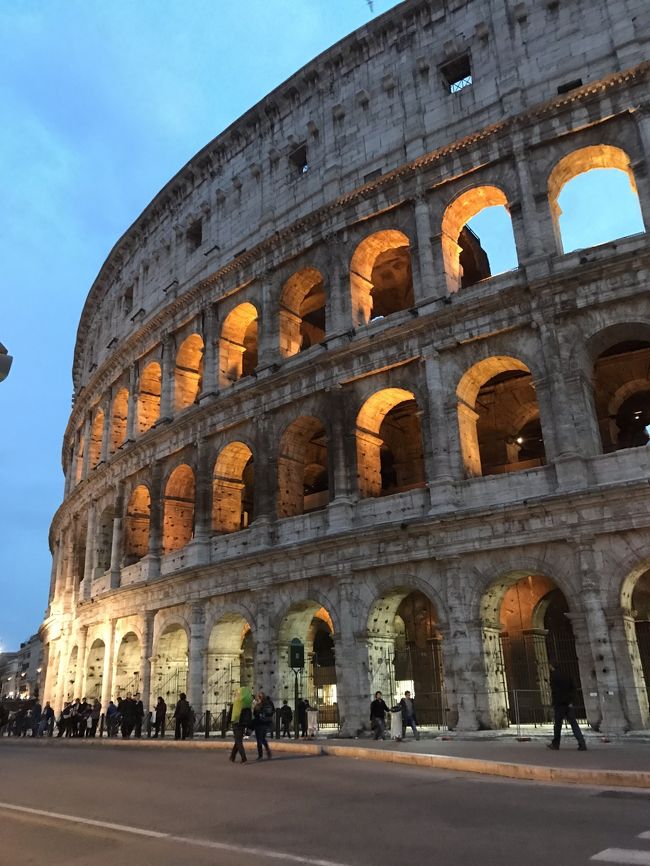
633 421
372 175
473 260
195 236
569 85
298 158
457 74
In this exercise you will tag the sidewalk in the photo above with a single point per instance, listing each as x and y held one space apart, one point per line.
616 764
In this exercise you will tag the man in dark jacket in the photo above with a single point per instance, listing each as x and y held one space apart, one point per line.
286 717
263 713
161 714
182 717
407 708
378 710
562 693
139 716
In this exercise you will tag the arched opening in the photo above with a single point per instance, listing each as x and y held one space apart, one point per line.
229 662
95 670
498 418
104 541
119 418
96 437
381 280
622 395
477 237
303 475
581 189
149 397
238 344
525 626
405 653
188 372
302 312
169 678
178 509
641 614
71 675
312 624
136 525
389 444
232 488
127 667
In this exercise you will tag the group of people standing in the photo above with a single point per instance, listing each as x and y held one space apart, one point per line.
252 714
126 716
406 710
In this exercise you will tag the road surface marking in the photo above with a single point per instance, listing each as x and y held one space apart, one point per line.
170 837
623 855
645 835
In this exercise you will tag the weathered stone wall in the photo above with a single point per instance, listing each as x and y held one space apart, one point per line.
178 315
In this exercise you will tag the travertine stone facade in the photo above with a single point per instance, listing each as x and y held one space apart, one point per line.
294 417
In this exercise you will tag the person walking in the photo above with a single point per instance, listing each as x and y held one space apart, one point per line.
241 718
182 717
407 708
562 695
286 717
263 713
378 710
159 718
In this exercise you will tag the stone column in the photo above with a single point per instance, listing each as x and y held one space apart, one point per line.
168 369
342 460
106 431
60 677
90 552
351 654
634 691
266 479
429 285
155 523
145 659
80 675
54 571
116 545
196 654
264 662
268 333
338 308
210 380
134 386
107 677
203 501
86 458
435 433
613 719
642 118
525 223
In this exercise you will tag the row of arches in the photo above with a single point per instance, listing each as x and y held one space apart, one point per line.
526 624
500 430
381 283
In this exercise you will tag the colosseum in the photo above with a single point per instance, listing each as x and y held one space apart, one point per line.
305 408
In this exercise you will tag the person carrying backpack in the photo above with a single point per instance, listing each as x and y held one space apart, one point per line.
263 714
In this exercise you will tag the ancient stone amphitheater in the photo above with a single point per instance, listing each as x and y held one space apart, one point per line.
305 408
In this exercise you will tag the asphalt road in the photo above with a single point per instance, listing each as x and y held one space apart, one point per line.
181 807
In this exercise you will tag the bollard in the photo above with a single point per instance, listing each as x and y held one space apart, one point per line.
207 724
101 726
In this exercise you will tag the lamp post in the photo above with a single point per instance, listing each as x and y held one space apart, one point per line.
297 664
5 362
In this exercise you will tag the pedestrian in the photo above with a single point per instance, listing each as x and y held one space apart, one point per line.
378 710
47 721
263 713
562 695
95 713
4 718
182 717
161 715
407 708
112 718
128 716
139 716
286 717
36 719
241 718
303 706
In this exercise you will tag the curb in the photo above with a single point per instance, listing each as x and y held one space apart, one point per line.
501 769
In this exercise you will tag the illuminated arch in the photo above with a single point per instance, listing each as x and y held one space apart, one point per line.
302 312
178 509
389 443
232 488
381 281
148 411
188 372
96 438
238 344
119 419
303 472
136 525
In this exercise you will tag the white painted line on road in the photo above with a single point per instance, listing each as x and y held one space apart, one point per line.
185 840
645 835
623 855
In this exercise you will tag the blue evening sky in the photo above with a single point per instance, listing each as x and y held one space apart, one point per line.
100 104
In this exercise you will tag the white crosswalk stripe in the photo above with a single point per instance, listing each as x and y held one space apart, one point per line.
633 857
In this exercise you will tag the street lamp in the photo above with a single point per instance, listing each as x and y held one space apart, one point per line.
5 362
